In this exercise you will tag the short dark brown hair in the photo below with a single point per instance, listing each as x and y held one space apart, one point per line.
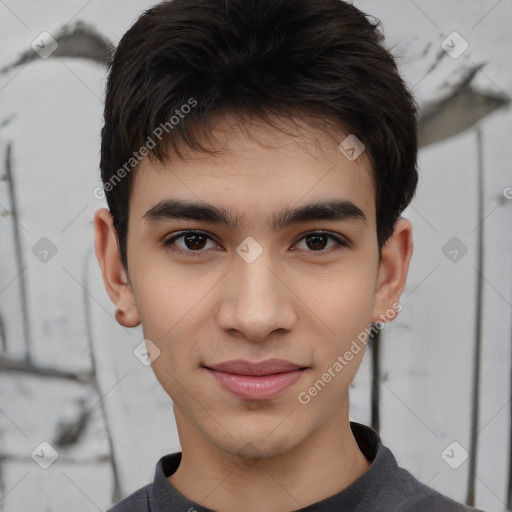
258 58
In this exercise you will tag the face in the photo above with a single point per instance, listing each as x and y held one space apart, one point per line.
219 300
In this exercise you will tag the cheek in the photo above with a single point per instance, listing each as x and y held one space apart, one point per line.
341 301
174 309
167 295
346 314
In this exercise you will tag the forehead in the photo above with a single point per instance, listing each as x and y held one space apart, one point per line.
258 167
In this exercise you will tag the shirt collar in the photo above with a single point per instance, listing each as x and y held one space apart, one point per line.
165 496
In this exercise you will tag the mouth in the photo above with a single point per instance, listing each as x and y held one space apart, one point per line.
256 381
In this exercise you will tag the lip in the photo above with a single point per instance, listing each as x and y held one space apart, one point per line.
267 367
256 381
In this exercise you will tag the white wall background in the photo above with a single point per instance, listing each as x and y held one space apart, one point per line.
69 377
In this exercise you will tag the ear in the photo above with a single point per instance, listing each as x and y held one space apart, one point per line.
114 276
393 268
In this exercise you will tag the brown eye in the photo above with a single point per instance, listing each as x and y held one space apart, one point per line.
194 241
190 243
318 241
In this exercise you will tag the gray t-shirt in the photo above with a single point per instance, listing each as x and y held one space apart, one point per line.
384 487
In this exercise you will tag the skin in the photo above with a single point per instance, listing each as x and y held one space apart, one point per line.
295 302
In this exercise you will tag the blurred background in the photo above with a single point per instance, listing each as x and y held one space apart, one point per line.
83 420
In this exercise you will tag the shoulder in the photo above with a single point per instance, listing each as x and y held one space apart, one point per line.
155 495
391 488
136 502
421 498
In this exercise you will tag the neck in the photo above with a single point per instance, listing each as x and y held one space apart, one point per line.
321 466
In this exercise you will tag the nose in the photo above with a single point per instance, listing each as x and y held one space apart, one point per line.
256 300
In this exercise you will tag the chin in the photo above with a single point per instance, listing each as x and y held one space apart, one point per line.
257 444
257 449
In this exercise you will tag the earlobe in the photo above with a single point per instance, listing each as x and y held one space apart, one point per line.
114 276
393 270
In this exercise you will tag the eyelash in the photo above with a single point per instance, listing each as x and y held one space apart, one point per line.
194 254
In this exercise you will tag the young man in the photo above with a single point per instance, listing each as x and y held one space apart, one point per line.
256 157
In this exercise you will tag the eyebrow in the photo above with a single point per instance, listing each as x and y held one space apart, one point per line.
336 209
